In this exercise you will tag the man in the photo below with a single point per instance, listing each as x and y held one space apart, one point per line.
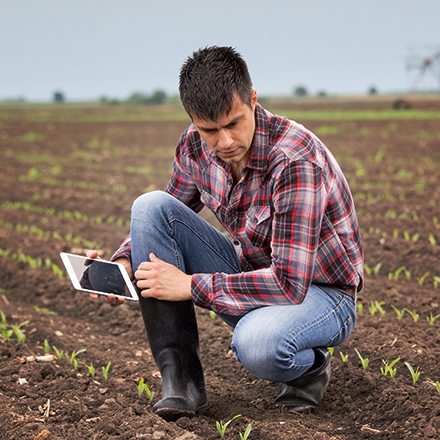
287 274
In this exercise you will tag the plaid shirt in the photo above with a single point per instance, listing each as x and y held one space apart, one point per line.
291 217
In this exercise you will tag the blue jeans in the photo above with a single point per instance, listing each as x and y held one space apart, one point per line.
273 343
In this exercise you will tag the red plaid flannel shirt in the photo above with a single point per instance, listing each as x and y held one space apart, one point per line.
291 216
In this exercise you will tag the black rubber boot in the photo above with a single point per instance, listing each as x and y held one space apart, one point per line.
174 342
304 393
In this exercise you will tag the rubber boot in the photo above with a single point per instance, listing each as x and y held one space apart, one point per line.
304 393
174 341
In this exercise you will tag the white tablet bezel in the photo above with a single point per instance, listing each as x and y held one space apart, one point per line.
67 261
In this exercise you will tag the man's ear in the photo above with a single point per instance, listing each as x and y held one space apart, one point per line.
254 99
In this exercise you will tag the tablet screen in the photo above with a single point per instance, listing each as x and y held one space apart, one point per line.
99 276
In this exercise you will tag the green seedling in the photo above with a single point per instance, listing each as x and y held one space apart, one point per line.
344 357
43 310
399 313
372 271
388 368
422 279
246 433
221 427
106 369
415 316
436 282
376 306
437 386
212 314
431 318
59 353
4 330
415 374
331 350
399 271
90 368
46 346
432 240
395 233
73 356
142 386
360 306
16 330
364 361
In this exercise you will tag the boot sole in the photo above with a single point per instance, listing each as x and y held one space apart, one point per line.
173 414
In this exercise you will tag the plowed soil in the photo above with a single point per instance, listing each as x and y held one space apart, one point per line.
68 178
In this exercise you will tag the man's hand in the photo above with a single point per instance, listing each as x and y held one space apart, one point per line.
161 280
111 299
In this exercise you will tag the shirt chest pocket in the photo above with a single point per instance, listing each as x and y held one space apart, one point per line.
259 225
209 201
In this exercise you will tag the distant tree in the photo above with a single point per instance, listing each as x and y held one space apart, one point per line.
300 91
372 91
158 97
322 93
58 97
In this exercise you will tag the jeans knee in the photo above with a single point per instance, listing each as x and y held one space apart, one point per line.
148 201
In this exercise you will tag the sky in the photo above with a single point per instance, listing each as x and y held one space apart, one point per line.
92 48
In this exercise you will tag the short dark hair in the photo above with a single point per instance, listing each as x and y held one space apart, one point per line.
210 78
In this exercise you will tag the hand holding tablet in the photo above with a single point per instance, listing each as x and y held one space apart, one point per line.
99 277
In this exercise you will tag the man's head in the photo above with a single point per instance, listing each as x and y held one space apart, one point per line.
209 81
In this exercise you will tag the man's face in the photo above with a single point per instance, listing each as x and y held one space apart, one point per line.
230 138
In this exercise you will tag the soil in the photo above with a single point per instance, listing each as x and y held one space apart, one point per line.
68 178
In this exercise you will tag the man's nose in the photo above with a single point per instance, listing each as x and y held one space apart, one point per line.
224 139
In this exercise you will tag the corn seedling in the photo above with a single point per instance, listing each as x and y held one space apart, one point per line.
73 355
415 316
360 306
212 314
364 361
344 357
399 313
432 240
331 350
16 330
399 271
246 433
372 271
422 279
221 427
437 386
46 346
436 282
388 368
91 369
142 386
43 310
376 306
415 374
59 353
5 332
106 369
431 318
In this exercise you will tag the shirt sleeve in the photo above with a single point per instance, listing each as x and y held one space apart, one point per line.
298 201
124 250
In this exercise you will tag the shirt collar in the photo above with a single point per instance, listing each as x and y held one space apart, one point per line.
259 148
260 143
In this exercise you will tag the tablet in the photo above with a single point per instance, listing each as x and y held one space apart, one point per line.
99 276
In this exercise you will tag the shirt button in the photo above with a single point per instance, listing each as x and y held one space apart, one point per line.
236 242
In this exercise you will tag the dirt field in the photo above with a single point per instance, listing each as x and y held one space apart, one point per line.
68 178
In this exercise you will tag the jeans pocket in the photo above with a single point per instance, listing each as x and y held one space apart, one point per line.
343 333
